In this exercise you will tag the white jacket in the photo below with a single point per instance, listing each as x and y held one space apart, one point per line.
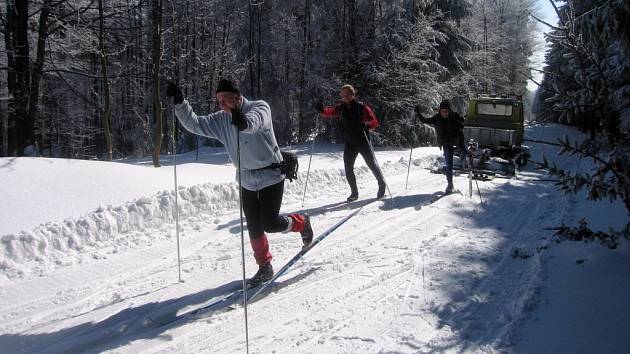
259 148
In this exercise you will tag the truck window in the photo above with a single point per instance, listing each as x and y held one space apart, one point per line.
493 109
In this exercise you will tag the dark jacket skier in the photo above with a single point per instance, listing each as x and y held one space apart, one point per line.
449 133
357 119
262 187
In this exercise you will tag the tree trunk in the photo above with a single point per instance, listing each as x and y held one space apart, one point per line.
9 120
4 131
36 74
106 113
250 48
259 68
344 41
227 27
213 65
20 128
306 45
158 129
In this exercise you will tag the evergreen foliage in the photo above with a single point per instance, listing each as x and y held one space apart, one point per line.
292 54
587 83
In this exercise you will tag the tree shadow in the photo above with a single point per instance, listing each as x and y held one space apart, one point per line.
8 162
480 289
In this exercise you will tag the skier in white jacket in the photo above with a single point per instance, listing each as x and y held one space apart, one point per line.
262 185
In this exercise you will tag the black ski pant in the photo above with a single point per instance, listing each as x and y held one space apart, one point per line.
448 159
262 210
350 153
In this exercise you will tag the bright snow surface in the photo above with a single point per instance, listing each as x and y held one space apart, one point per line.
88 261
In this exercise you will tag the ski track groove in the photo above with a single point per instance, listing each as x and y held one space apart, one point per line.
282 292
154 261
371 262
364 289
500 272
526 215
287 292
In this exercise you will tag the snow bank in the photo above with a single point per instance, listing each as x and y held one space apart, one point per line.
112 229
38 190
109 229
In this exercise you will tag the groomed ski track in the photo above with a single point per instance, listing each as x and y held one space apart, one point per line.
391 279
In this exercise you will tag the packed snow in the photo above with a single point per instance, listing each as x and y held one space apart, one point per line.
88 260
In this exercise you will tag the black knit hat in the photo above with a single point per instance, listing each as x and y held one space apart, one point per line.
445 105
227 86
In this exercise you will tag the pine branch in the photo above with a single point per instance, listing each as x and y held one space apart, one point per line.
600 184
584 233
544 22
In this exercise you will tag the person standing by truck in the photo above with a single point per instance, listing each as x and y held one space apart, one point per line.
449 131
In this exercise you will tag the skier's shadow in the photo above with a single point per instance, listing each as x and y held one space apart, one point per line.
132 323
409 201
234 226
123 327
332 207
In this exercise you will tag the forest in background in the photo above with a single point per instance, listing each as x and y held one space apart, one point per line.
86 78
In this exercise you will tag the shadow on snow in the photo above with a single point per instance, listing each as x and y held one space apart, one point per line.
147 321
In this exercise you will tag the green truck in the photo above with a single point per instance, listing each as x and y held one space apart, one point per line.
494 128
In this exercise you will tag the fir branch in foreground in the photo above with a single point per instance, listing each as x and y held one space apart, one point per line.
584 233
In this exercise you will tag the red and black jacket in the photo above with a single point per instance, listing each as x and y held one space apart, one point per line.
357 119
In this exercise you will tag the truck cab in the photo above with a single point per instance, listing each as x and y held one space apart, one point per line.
495 125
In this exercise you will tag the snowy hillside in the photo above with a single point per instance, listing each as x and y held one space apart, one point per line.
88 261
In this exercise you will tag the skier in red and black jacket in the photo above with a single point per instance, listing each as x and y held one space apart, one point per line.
357 119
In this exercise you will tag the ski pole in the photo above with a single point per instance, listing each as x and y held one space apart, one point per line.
408 168
470 176
479 190
179 260
378 165
308 171
240 207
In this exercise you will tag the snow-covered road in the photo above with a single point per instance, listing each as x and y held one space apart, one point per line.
401 276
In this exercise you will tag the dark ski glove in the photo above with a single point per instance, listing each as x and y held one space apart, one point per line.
319 107
173 91
238 119
418 109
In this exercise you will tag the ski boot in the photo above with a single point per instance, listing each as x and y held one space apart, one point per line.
263 275
307 233
381 191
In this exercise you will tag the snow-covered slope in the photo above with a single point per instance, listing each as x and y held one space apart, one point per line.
98 264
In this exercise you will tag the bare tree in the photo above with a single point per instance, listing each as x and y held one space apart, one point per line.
106 113
158 128
18 60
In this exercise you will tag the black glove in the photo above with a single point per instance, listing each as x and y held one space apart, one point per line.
173 91
418 109
238 119
319 107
